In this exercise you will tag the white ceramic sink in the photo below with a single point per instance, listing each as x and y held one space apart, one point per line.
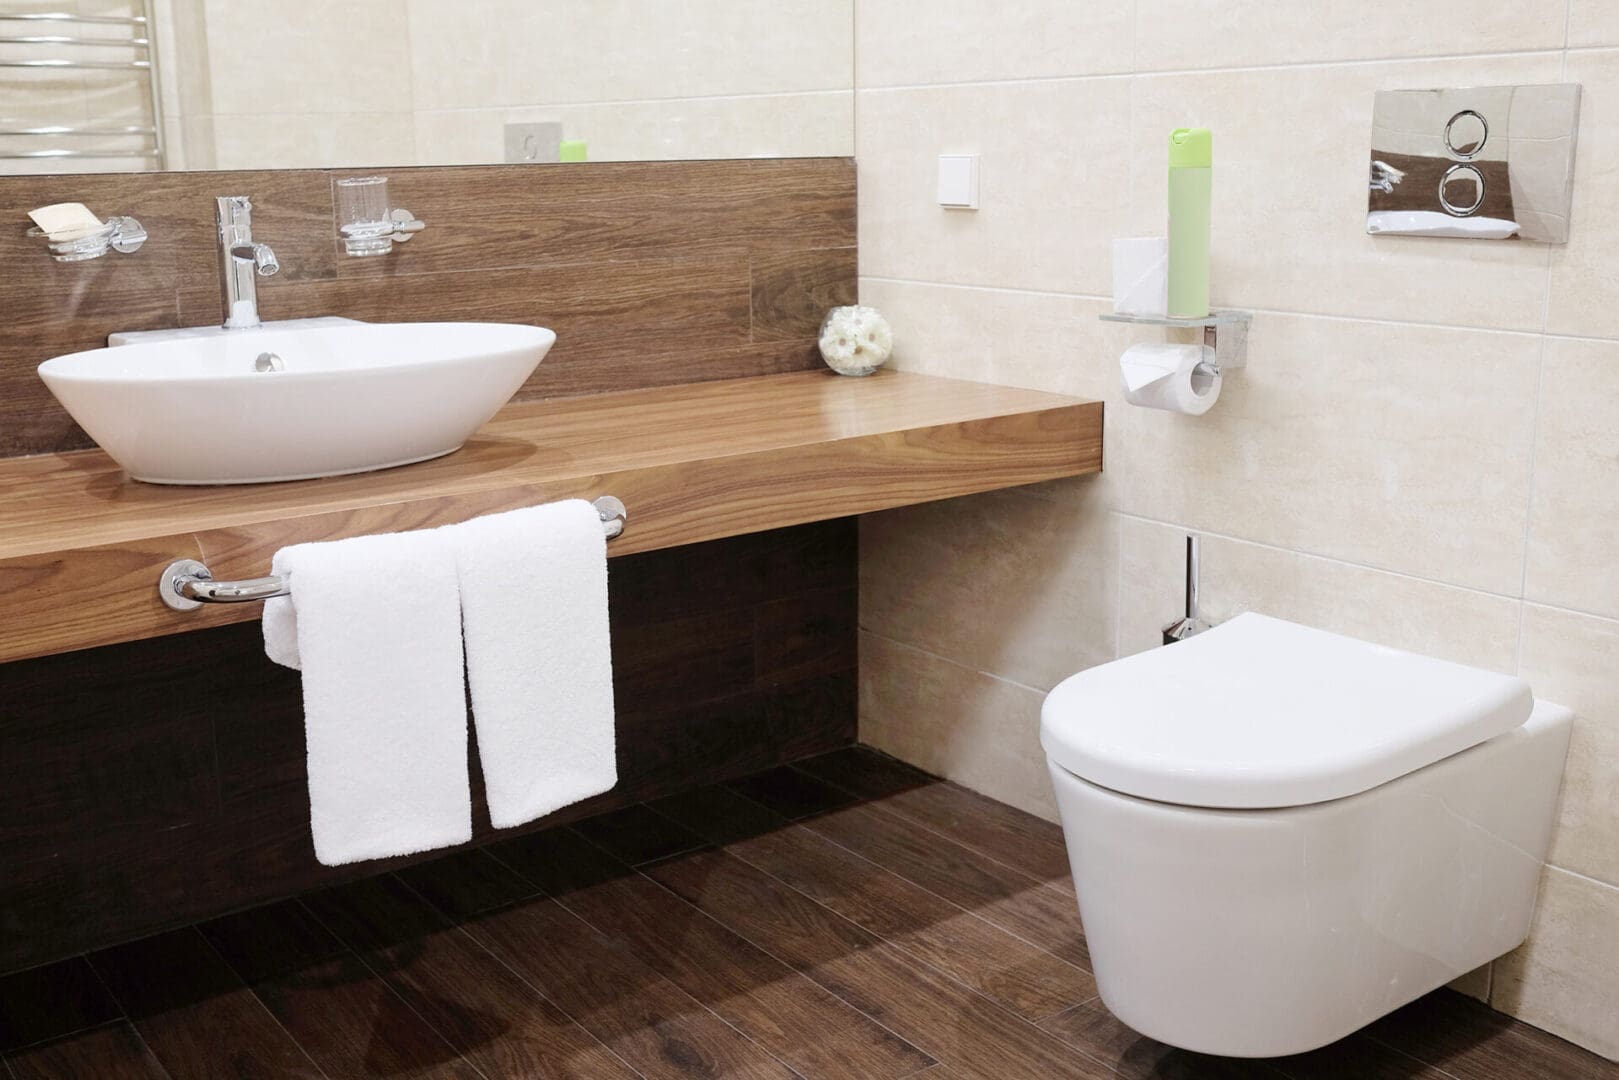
342 399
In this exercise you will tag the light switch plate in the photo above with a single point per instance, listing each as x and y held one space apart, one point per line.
958 181
537 143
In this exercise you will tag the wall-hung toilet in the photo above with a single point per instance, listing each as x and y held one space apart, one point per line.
1280 834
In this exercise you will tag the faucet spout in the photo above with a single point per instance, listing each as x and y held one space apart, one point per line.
241 261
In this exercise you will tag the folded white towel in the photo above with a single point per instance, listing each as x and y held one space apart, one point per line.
534 608
374 623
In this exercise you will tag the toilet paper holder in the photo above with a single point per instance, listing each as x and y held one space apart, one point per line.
1226 332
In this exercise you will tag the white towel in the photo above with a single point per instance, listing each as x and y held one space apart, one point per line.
375 624
534 608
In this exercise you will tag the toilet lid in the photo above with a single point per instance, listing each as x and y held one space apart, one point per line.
1259 712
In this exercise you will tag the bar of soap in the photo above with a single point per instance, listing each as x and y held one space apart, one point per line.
65 221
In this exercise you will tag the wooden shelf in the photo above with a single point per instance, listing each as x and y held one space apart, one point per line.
81 546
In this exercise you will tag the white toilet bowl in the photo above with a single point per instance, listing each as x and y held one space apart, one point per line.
1279 834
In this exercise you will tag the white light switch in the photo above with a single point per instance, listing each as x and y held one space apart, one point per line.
958 181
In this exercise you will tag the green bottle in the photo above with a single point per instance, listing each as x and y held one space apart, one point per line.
1191 165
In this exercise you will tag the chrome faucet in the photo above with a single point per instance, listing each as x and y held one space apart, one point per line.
241 260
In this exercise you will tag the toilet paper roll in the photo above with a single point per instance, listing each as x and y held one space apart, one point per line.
1177 378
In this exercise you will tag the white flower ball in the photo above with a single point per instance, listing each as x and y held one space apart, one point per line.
855 340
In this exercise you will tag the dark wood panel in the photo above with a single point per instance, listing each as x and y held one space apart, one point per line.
793 291
605 254
156 783
523 216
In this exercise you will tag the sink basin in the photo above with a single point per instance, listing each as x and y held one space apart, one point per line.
333 400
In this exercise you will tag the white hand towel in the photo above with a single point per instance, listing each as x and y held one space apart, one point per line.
375 624
534 608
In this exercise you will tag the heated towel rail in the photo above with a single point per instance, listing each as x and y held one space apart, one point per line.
187 585
58 40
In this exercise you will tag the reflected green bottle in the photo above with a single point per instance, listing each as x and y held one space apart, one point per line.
1191 167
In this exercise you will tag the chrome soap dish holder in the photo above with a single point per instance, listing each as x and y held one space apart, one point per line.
118 233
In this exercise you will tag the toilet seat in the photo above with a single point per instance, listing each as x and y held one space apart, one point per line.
1264 713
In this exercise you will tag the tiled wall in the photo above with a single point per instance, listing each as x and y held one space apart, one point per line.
308 83
1423 450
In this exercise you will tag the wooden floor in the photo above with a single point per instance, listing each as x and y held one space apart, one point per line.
847 917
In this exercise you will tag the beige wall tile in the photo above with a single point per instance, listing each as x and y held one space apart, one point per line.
1289 208
1052 183
1562 979
1396 446
1584 289
295 56
776 125
978 730
910 42
1592 22
1006 582
1180 34
578 51
1041 341
1152 591
1463 625
1475 984
1573 524
330 140
1569 659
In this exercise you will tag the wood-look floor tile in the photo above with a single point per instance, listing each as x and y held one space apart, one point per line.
1091 1028
497 1021
344 1016
110 1052
911 998
195 1013
1021 840
51 1001
1024 978
1025 906
804 1025
1474 1042
651 1023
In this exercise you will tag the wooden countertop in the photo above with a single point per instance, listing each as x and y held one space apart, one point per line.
81 546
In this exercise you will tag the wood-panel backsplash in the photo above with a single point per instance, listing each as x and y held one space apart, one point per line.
650 273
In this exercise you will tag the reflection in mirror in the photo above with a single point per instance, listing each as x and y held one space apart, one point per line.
1488 162
126 85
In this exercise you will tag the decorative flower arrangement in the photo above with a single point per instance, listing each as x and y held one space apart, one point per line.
855 340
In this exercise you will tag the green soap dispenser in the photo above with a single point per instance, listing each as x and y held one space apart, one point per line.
1191 165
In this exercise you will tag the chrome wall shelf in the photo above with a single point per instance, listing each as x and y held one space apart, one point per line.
1226 332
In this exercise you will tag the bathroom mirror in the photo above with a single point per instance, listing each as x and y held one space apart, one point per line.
1486 162
134 85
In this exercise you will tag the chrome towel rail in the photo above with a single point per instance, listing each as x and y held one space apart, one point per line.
186 585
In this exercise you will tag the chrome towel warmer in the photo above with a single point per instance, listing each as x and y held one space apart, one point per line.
187 585
46 31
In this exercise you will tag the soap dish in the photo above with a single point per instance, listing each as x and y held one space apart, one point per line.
121 234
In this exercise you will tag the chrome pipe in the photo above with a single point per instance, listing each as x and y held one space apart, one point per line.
186 584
